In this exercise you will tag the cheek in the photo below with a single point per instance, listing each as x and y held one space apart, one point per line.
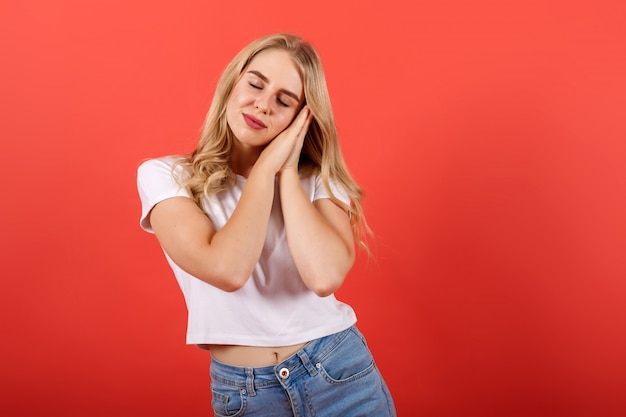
233 100
284 120
232 105
238 95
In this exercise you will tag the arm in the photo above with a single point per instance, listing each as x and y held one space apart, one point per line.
226 258
319 235
223 258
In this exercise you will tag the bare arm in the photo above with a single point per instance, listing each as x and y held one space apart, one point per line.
226 258
319 235
223 258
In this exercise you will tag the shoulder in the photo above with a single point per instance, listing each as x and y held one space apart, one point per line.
167 169
157 181
315 183
160 176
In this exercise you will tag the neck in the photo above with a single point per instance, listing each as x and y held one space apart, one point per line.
243 159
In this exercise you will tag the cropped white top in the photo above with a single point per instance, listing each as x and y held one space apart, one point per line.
274 307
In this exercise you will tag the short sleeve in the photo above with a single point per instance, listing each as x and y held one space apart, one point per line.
155 183
322 192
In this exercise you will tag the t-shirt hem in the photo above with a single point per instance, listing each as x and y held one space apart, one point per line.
262 341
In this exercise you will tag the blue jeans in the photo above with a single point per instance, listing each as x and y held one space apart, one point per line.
331 376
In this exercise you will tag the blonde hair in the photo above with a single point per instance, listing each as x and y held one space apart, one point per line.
208 165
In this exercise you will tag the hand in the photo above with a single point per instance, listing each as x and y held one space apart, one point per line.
294 156
283 152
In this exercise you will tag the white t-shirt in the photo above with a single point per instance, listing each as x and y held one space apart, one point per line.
274 307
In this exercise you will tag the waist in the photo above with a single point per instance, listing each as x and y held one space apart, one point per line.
254 356
302 361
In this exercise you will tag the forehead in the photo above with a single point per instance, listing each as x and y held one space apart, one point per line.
279 69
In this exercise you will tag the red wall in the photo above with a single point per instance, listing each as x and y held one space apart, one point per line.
490 137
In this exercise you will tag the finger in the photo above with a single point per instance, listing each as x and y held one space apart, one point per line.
303 131
303 115
304 119
296 129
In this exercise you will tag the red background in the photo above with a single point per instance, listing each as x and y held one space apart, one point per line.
489 136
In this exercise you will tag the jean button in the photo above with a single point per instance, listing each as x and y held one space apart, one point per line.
284 373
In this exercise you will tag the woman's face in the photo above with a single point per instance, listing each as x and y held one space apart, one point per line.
265 99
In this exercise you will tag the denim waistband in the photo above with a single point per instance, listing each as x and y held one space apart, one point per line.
302 362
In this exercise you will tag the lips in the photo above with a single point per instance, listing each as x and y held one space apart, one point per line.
253 122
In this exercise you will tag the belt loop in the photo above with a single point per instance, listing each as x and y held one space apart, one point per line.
250 381
304 358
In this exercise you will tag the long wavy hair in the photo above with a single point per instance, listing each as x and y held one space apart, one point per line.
208 166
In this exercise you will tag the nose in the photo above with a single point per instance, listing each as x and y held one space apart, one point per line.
262 103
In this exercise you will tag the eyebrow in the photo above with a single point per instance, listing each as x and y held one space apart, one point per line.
282 90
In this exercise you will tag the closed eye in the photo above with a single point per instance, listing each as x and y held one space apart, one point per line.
257 76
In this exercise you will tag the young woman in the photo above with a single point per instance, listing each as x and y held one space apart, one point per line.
258 224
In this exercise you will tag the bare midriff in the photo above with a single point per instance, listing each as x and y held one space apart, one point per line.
252 355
